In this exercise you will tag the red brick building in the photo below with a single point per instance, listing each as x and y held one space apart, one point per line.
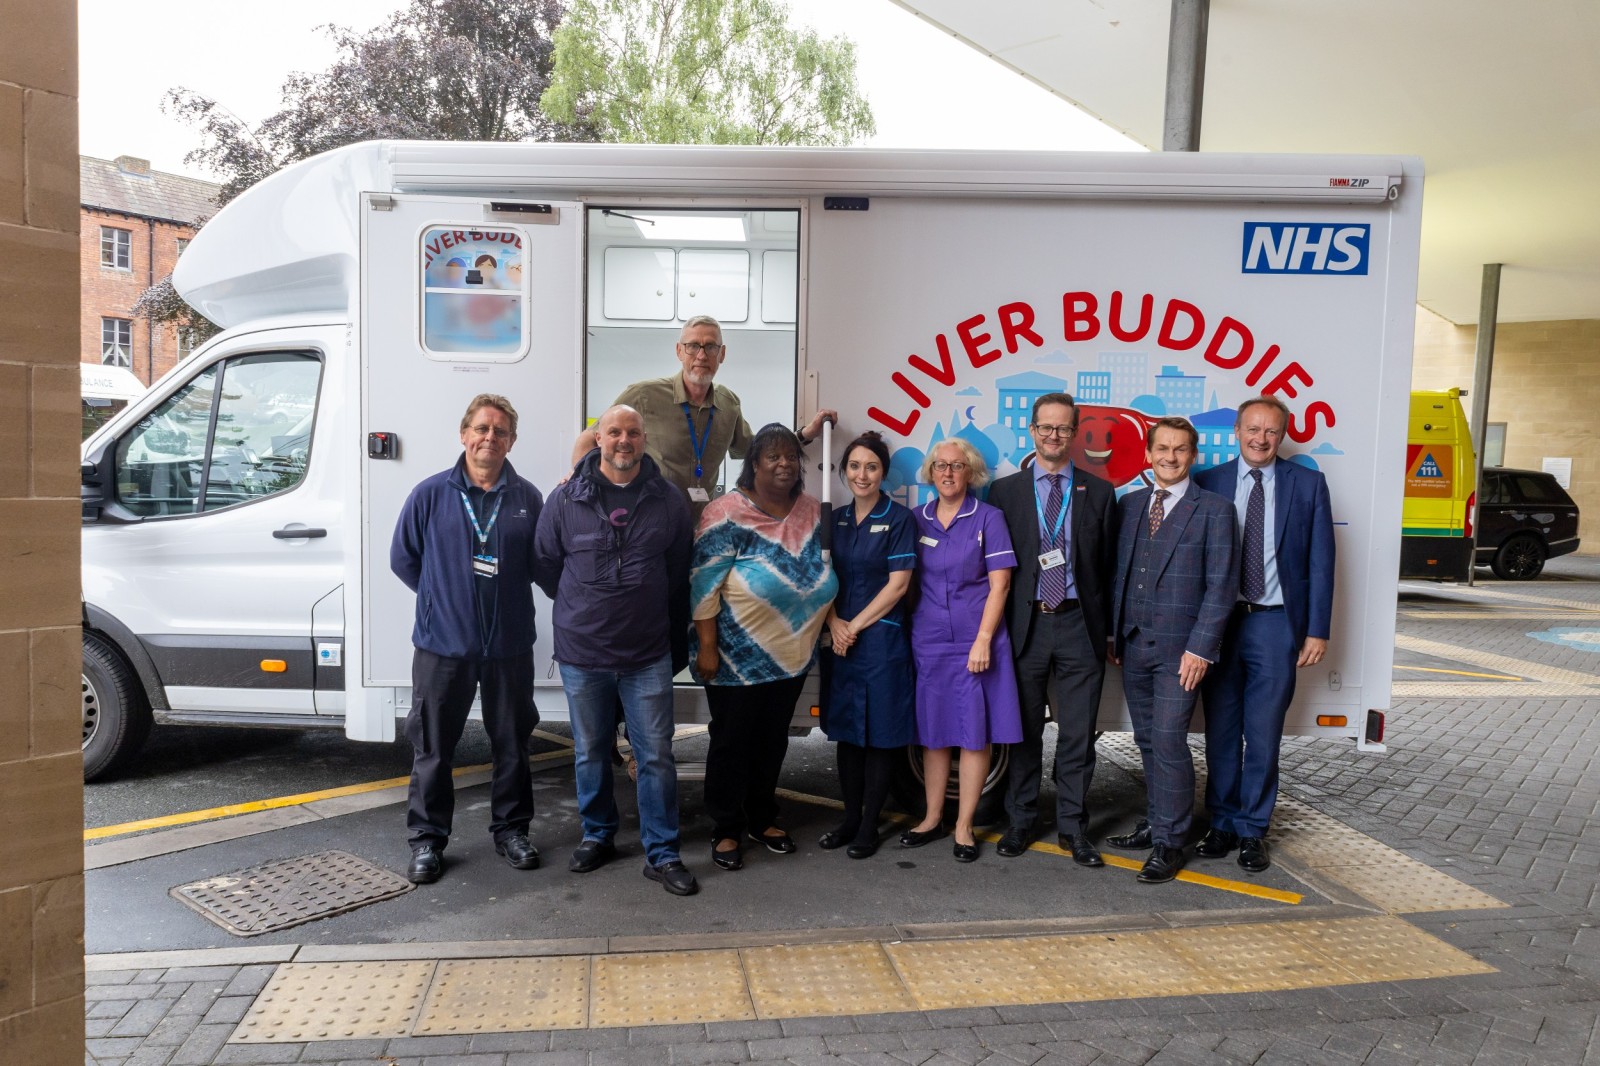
135 223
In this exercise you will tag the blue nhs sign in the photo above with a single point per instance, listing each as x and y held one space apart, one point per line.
1305 248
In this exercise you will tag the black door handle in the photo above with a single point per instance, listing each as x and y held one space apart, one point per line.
299 534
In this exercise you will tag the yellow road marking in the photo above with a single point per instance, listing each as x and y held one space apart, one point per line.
1243 888
228 811
1460 673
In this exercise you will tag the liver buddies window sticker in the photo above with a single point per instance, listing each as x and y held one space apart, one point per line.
472 291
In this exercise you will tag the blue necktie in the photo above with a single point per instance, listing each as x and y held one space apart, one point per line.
1253 576
1053 582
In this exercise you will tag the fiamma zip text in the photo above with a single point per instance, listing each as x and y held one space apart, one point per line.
1229 345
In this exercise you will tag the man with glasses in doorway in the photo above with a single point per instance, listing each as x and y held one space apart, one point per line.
693 424
1063 527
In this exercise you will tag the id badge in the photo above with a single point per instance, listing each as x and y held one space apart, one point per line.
929 541
485 565
698 494
879 529
1052 559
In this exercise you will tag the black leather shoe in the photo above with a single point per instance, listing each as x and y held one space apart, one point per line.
863 850
518 852
1216 844
427 862
1163 864
1084 853
732 859
966 852
674 877
913 839
1137 840
1253 854
1014 843
591 855
781 844
836 838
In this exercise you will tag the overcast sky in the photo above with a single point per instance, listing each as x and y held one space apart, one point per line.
927 90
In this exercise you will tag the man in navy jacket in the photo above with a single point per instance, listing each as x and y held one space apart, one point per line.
464 545
613 551
1279 625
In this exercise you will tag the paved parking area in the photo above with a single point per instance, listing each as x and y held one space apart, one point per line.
1490 782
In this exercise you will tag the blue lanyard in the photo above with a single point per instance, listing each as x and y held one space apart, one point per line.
481 532
1066 505
698 443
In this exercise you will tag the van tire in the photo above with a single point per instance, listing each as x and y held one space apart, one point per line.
116 715
906 786
1520 558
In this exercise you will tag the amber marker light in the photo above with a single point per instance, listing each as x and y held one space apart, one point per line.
1332 720
274 666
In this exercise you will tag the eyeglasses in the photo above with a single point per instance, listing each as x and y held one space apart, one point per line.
1053 431
490 431
940 466
695 348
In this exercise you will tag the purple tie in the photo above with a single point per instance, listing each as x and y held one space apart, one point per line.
1158 511
1253 577
1053 582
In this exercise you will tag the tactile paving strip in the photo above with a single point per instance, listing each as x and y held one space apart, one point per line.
1383 876
336 1001
823 979
507 996
290 892
668 989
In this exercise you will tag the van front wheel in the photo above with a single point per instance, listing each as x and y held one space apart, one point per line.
1521 558
116 716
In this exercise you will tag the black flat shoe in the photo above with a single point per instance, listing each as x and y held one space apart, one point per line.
1162 865
913 839
1014 843
1253 854
1138 840
836 838
427 863
862 851
733 859
966 852
1216 844
517 851
782 844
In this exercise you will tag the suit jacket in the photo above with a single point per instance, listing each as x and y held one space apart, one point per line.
1094 541
1196 573
1302 525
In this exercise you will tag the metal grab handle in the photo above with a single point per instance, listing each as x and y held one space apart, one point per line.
827 490
299 534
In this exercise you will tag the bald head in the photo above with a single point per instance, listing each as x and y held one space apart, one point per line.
620 435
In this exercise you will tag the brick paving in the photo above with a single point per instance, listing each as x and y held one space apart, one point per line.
1503 794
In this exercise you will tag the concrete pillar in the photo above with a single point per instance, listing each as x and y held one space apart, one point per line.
1482 370
1186 75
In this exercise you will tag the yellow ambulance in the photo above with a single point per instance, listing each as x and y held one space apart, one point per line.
1440 494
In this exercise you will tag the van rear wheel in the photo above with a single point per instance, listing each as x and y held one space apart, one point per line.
907 786
116 716
1521 558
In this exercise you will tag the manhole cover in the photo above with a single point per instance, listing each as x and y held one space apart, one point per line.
277 895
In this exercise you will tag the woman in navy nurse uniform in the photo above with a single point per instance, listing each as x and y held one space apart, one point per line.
869 702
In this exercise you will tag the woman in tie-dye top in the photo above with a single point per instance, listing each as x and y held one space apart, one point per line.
761 592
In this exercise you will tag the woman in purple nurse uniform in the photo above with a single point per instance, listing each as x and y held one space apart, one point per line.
966 686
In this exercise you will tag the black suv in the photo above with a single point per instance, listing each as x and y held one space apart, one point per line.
1524 518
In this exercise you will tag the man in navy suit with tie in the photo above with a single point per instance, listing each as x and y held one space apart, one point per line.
1177 581
1280 624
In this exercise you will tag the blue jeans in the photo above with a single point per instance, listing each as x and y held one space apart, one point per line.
646 696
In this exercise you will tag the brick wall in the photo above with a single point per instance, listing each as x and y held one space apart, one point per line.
1546 378
110 292
41 768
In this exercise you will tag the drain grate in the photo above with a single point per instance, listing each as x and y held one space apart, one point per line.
289 892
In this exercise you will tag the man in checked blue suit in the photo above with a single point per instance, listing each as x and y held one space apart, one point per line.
1177 581
1279 625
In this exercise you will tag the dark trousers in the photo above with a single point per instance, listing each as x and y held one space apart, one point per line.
1247 693
1058 651
1161 711
441 699
749 738
864 775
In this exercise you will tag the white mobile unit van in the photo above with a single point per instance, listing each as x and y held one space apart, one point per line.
238 515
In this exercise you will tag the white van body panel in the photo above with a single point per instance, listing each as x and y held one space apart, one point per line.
950 287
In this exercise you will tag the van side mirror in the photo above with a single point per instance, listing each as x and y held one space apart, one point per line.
95 476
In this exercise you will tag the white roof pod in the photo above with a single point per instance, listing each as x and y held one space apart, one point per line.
290 244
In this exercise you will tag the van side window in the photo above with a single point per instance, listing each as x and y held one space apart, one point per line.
474 301
239 431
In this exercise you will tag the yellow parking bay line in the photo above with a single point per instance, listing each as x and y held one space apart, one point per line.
1460 673
166 821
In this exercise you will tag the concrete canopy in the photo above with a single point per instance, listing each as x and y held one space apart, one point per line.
1501 101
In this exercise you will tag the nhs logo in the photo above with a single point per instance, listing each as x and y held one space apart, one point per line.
1305 248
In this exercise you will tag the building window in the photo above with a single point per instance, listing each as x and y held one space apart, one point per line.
183 246
1494 446
116 248
116 342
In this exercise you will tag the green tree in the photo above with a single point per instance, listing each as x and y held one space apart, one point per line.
437 70
703 72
